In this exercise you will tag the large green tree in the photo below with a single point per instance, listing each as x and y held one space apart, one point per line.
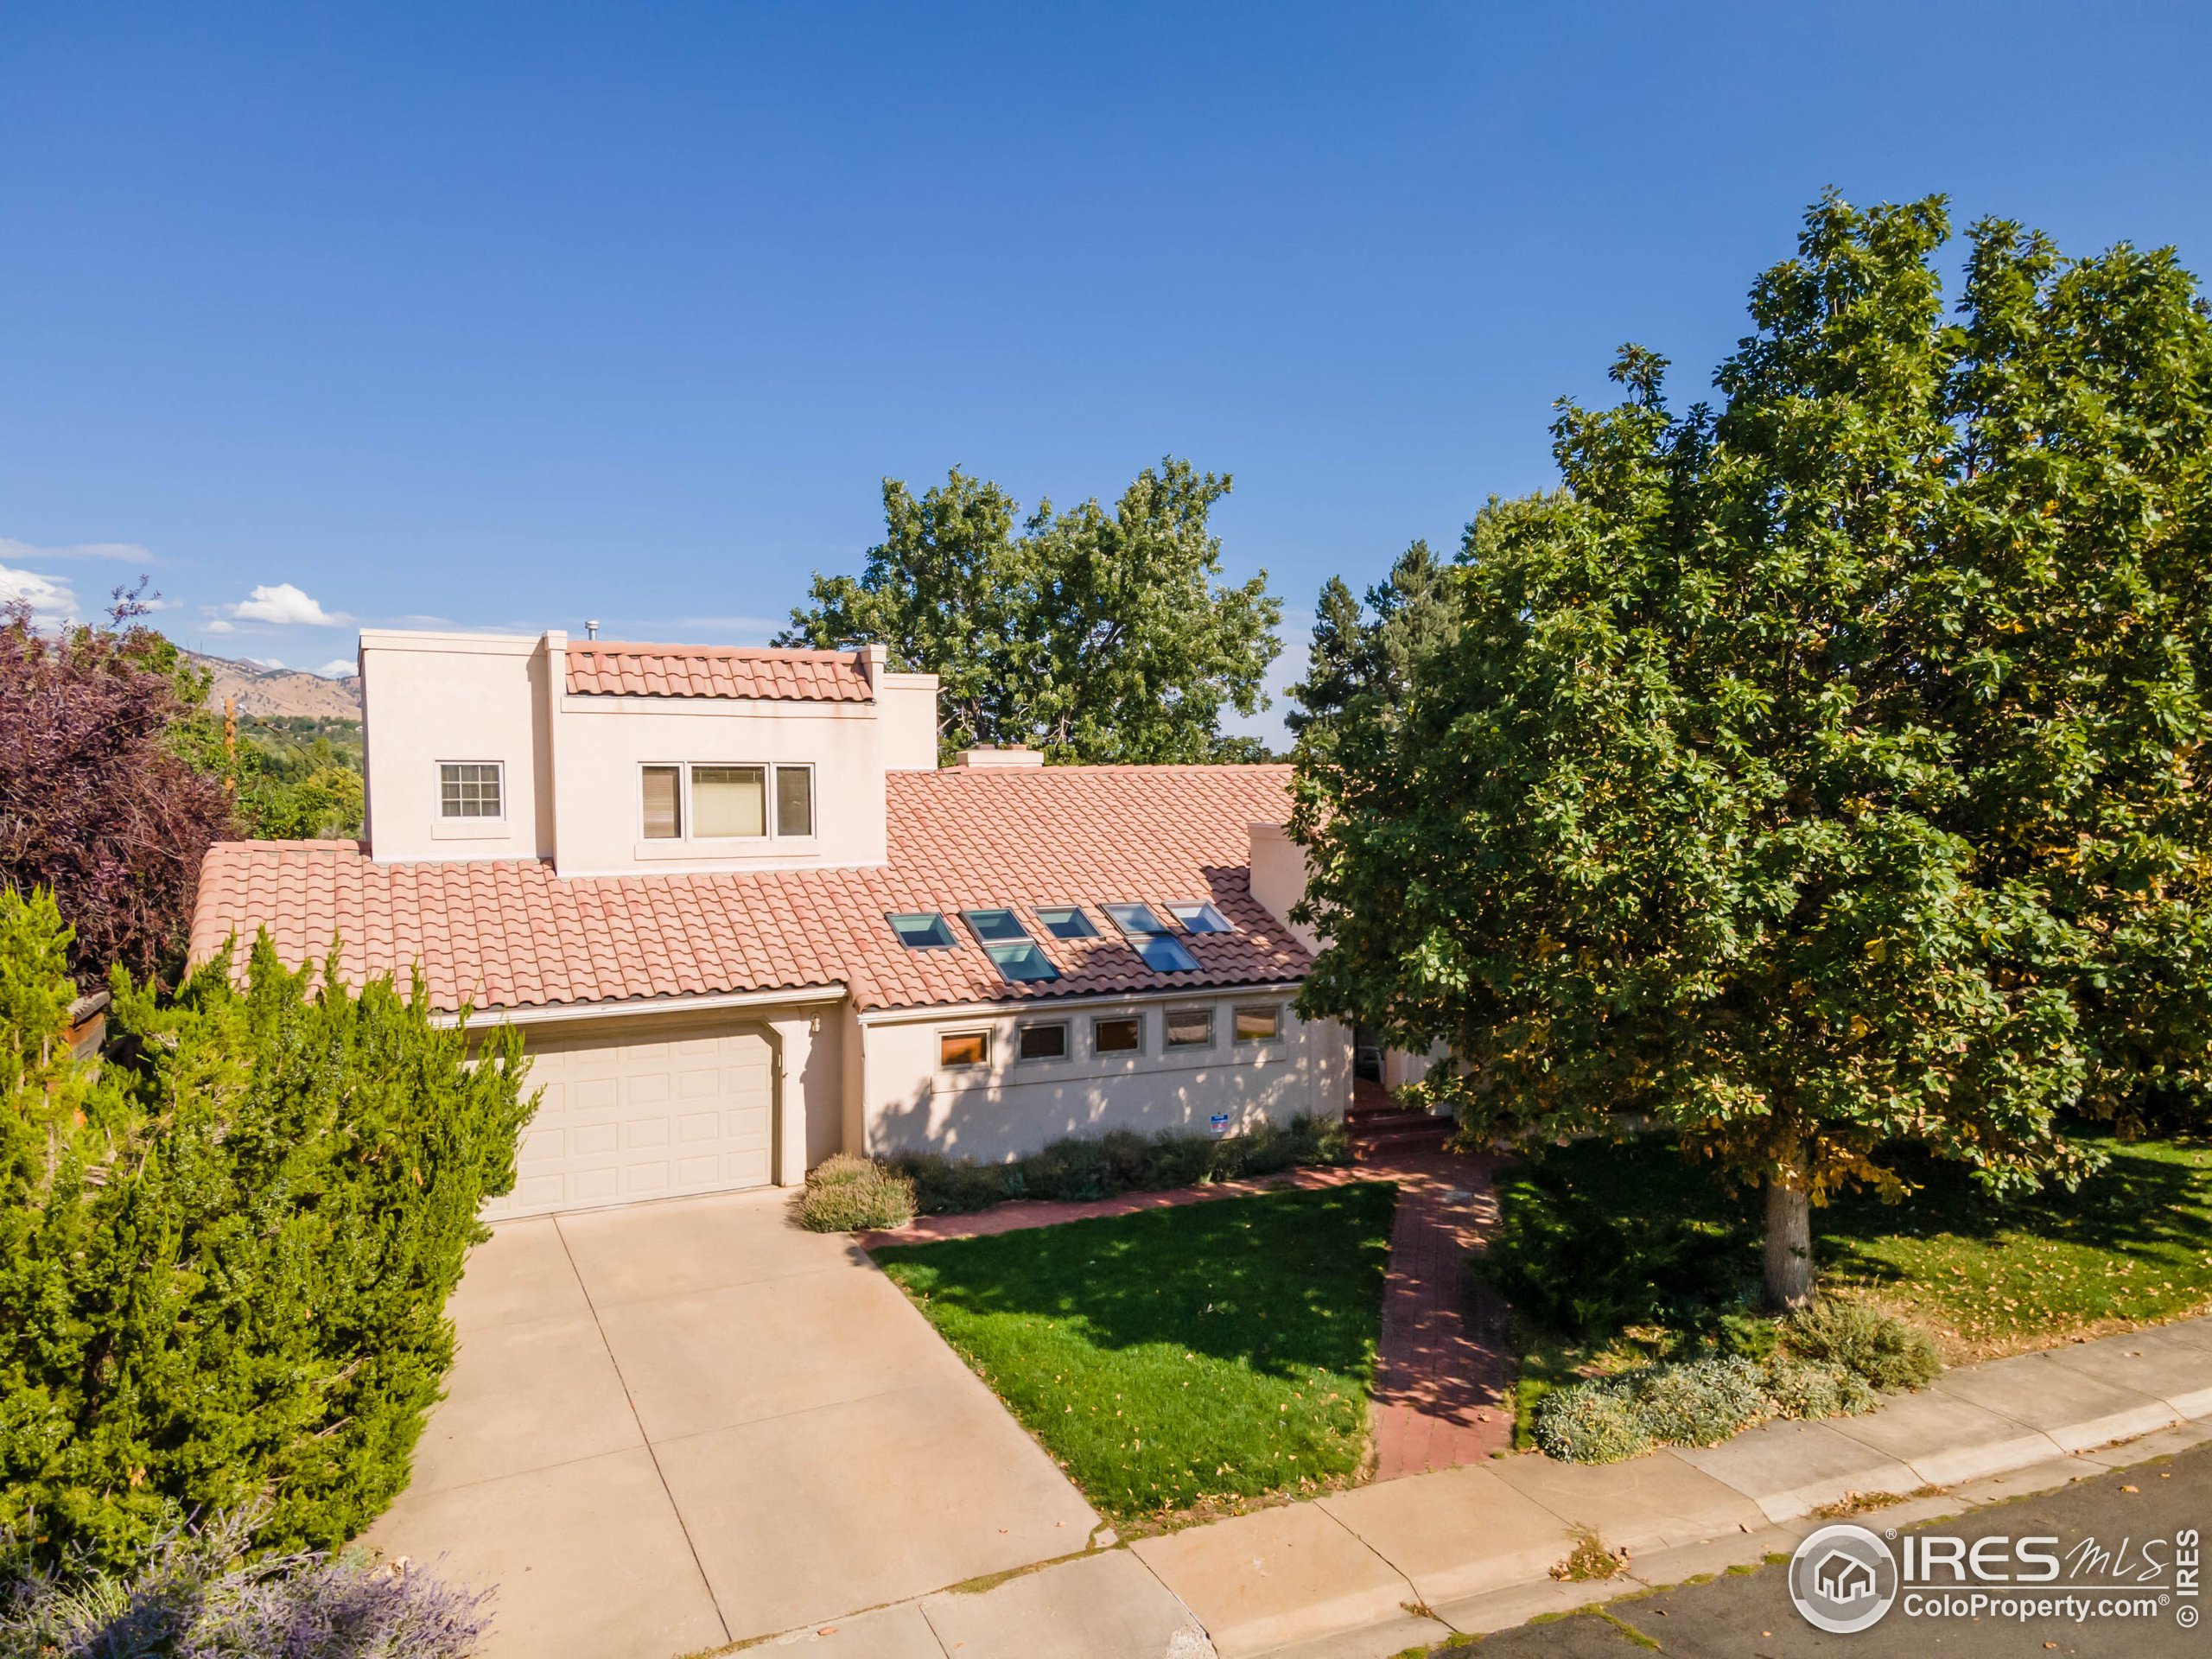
1361 662
1822 767
1095 634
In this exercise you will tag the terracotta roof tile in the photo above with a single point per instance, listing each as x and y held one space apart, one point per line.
613 668
511 933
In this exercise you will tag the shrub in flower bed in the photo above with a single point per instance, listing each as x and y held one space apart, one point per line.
1701 1401
1121 1160
1886 1351
1831 1363
1597 1422
1806 1388
197 1596
845 1194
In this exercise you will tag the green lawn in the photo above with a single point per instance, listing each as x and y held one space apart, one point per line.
1181 1357
2133 1245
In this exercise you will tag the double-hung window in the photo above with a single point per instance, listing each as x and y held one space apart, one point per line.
723 802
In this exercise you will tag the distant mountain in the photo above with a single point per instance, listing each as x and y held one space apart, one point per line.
280 690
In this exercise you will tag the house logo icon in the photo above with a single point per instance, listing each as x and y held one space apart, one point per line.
1842 1579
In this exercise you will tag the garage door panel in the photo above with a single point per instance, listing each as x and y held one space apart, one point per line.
621 1120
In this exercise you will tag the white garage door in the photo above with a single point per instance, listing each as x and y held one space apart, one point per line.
626 1119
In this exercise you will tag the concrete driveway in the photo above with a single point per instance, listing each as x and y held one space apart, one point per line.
685 1424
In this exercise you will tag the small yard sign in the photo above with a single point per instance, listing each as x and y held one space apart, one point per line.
1220 1123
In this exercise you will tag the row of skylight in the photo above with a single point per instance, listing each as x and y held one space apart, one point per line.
1017 955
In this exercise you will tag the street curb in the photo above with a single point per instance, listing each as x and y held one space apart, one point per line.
1336 1578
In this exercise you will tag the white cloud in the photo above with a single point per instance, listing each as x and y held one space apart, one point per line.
285 606
338 668
123 552
263 662
218 626
50 600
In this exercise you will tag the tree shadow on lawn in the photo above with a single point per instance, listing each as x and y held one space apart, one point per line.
1283 1283
1950 1241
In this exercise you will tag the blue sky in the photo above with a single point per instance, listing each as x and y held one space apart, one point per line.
511 316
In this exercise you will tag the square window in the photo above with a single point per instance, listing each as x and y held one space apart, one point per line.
995 926
1135 919
956 1049
1190 1028
663 787
1023 961
795 801
1042 1042
1117 1036
729 802
1200 918
1164 954
469 789
1066 921
1262 1024
923 930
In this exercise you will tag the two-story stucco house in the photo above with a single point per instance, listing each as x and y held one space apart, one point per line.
745 920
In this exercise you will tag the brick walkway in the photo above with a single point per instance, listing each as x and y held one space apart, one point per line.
1441 1364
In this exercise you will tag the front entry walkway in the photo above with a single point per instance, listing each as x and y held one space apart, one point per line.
689 1423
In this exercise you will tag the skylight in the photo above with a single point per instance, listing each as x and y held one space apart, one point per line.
1066 921
1164 954
1025 961
994 926
1135 919
923 930
1200 918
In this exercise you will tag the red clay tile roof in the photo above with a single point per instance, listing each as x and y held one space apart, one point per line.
614 668
510 933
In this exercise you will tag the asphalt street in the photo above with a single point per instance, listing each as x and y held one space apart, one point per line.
1750 1616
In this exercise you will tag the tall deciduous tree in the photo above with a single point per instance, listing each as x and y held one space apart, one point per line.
1095 634
1823 768
97 804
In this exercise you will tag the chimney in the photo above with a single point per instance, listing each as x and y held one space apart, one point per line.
989 757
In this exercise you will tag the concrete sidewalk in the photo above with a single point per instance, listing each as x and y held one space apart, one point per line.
1373 1570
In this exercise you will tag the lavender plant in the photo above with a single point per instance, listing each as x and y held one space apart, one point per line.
200 1594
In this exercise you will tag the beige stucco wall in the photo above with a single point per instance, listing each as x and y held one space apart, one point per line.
1012 1107
428 698
908 706
573 792
1279 879
599 743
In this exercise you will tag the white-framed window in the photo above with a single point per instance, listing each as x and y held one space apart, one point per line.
960 1049
472 788
1047 1040
1259 1023
726 801
1189 1027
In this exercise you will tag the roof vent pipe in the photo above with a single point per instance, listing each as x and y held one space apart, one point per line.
591 629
